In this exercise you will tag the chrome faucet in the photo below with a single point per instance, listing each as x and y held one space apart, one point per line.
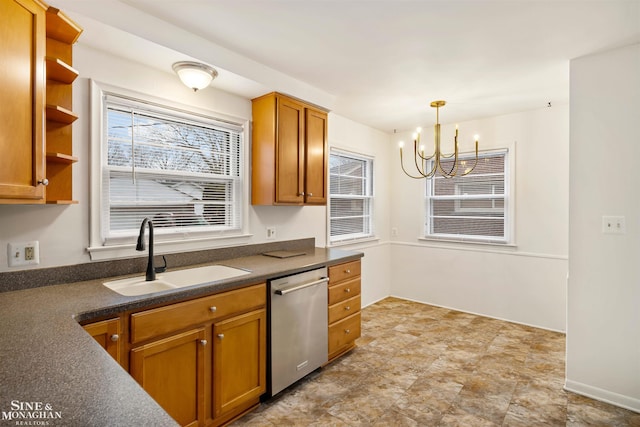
151 271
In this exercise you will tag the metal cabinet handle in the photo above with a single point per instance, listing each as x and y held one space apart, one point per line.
44 181
220 336
213 309
347 271
347 290
347 308
203 342
115 337
347 331
301 194
310 194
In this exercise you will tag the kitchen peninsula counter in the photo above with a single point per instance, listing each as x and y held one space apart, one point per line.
49 361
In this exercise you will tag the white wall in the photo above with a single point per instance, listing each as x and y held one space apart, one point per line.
603 322
524 283
63 231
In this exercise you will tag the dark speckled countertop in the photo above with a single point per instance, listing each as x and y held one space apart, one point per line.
46 356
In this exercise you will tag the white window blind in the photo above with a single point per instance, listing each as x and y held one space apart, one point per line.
182 171
350 196
471 207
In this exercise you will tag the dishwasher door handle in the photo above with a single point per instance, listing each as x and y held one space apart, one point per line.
302 286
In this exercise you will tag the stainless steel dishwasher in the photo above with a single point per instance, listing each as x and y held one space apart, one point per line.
298 327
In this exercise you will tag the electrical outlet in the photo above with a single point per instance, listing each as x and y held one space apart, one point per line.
23 253
394 232
613 225
271 233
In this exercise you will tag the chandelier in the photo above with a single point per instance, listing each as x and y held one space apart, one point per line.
422 162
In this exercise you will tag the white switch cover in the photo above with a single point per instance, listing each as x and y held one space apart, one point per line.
613 225
27 253
271 233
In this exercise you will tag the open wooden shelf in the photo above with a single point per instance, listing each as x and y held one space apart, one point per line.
60 114
61 158
60 27
60 71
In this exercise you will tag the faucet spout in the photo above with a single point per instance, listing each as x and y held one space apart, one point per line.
151 271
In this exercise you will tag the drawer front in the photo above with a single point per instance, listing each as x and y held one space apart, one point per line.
344 291
344 332
343 309
163 320
349 270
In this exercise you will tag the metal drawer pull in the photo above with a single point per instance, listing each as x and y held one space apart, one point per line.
347 331
44 182
220 336
347 271
203 342
310 194
347 308
301 194
213 309
115 337
347 290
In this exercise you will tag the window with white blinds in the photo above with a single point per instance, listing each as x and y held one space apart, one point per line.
350 197
471 207
182 171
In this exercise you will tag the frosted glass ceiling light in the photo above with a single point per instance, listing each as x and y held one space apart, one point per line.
437 158
194 74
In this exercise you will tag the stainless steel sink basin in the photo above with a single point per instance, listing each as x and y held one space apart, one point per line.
174 279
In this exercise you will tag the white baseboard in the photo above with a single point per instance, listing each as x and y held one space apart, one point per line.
606 396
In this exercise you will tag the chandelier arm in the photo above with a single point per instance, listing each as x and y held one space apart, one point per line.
407 173
474 165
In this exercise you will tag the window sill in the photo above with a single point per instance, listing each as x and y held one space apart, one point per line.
358 241
467 242
103 253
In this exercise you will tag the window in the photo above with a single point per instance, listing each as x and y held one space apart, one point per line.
471 207
350 196
182 170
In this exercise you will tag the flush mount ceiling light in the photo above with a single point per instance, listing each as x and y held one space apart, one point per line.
437 158
194 74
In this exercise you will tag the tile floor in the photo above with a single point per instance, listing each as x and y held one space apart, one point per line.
420 365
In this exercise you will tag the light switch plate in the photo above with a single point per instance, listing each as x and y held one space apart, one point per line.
613 225
27 253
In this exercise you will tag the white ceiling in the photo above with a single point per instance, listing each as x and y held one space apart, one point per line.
376 62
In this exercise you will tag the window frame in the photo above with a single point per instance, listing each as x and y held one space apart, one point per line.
101 247
509 197
353 237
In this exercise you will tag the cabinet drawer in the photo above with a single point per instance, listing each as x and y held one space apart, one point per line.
338 273
343 309
344 291
344 332
162 320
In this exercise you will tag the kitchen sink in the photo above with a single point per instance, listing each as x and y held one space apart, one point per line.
174 279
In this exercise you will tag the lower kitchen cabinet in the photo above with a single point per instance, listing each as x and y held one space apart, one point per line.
344 308
203 360
239 361
108 333
171 370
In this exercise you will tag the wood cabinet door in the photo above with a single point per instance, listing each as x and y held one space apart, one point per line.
316 157
171 370
108 334
289 152
22 51
239 361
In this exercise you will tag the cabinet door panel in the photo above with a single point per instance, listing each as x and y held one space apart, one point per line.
316 152
22 31
239 360
108 334
290 152
172 372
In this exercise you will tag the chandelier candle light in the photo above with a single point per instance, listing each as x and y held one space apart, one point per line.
421 161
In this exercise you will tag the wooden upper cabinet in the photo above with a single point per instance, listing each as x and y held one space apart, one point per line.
22 78
289 152
36 79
